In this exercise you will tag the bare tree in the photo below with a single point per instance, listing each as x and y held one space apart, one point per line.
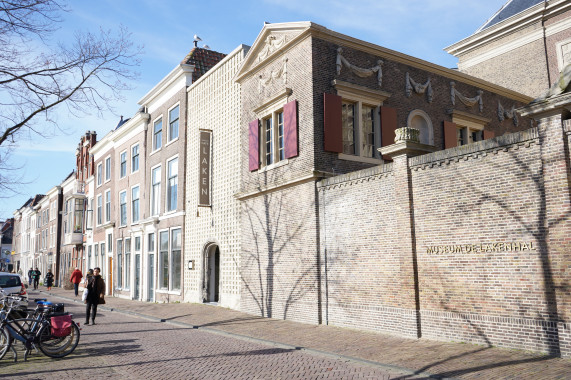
87 74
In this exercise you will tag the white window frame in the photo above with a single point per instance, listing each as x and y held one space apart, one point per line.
123 164
154 140
138 208
170 261
107 206
123 213
168 207
99 174
107 169
119 264
138 156
99 220
170 139
155 199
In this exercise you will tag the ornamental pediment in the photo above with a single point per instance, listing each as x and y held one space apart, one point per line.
271 42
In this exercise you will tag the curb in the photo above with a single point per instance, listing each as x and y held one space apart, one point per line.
387 367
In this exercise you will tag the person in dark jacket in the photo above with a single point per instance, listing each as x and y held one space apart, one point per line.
49 279
95 295
30 279
36 277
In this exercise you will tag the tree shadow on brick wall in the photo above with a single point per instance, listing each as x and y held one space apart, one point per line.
275 269
539 227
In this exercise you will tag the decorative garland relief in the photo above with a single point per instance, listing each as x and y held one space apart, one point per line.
359 71
505 114
469 102
281 72
418 88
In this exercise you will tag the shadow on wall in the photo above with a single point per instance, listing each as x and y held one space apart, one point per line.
276 266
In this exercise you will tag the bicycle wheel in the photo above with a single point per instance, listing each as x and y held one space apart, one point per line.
5 342
57 347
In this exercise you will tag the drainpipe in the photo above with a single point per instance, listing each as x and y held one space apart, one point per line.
545 42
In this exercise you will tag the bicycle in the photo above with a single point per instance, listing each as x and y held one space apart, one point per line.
55 334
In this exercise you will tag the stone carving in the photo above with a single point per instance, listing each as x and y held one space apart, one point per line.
407 134
504 114
274 75
359 71
418 88
469 102
272 44
562 85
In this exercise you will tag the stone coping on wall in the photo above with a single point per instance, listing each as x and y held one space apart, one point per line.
480 148
356 176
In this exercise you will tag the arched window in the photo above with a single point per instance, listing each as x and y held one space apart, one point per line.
420 120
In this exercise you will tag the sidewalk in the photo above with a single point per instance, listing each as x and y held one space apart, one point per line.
407 356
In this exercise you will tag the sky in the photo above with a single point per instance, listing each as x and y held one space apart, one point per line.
165 30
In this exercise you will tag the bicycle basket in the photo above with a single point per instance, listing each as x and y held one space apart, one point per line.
61 325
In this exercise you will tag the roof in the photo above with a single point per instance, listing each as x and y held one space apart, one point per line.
509 9
203 60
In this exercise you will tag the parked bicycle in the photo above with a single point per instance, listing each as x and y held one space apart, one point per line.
53 332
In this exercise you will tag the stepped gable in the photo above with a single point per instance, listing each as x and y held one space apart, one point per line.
203 60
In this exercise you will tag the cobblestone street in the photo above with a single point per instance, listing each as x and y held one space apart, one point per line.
126 347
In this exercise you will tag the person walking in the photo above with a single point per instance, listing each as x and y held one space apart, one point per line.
49 279
95 296
36 277
30 275
75 278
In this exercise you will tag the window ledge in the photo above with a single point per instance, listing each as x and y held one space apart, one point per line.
369 160
273 166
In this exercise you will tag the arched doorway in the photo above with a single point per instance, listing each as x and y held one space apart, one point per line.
211 275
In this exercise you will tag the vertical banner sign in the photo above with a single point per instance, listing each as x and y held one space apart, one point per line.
204 167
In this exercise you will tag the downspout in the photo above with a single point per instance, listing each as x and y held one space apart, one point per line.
545 42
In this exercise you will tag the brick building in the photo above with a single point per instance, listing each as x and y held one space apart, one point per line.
523 46
443 234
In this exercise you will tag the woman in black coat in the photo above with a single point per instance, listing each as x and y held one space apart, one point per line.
95 296
49 279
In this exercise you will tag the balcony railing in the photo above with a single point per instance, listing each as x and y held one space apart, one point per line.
79 188
73 238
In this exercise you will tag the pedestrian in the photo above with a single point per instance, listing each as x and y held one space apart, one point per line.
36 277
76 277
95 296
49 279
30 274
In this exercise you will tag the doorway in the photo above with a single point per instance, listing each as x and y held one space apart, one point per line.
151 282
210 291
137 275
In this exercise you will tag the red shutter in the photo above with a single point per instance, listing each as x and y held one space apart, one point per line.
290 129
332 123
450 135
388 127
489 135
254 145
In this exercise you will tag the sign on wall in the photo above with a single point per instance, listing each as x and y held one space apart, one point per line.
204 167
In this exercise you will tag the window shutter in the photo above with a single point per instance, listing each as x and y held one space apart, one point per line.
450 135
290 129
332 123
388 127
489 135
254 145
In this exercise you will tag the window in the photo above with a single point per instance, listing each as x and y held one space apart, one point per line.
119 264
123 164
170 265
99 210
127 263
135 158
78 216
172 184
151 242
108 206
123 207
164 259
176 259
102 265
157 134
135 204
137 244
107 169
155 190
173 123
99 174
89 257
109 243
465 128
95 256
352 122
273 139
